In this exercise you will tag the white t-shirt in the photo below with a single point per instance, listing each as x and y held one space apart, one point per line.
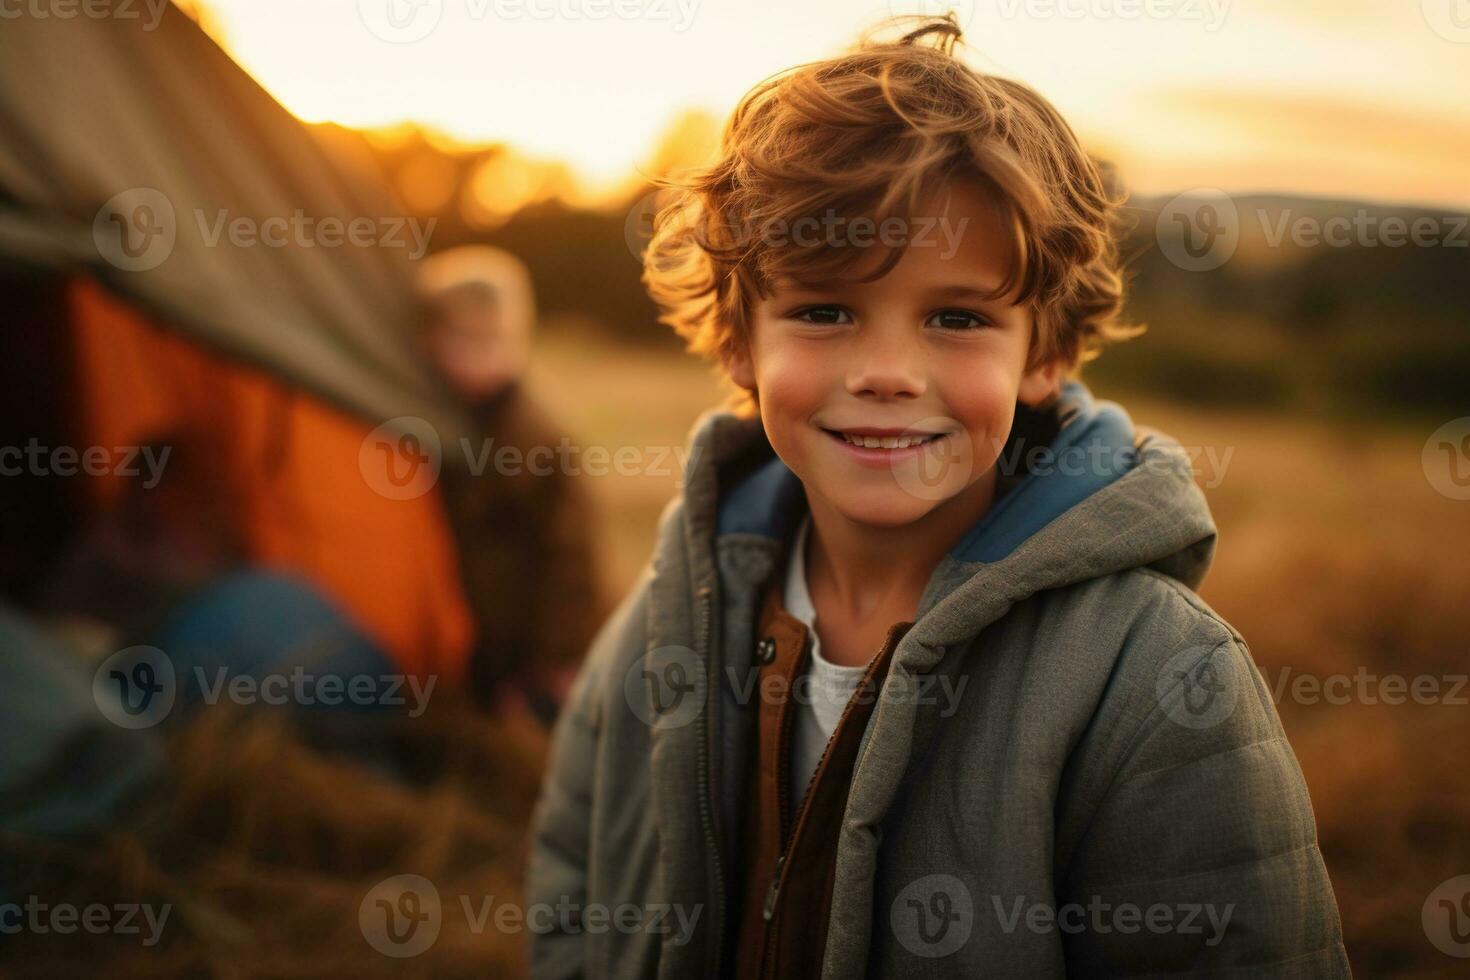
822 695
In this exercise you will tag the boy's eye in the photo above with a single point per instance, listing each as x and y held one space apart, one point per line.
958 320
831 315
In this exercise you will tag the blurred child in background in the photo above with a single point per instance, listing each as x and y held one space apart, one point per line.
523 531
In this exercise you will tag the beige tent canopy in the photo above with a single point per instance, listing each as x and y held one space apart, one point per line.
126 152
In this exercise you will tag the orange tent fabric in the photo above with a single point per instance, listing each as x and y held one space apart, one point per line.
284 467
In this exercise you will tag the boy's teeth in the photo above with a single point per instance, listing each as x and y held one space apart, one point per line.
884 442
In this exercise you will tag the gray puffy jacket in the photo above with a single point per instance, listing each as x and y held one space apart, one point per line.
1074 768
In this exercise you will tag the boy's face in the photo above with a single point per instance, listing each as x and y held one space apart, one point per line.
918 353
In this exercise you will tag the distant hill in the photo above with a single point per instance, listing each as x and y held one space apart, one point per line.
1328 304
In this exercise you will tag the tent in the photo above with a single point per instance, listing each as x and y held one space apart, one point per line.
126 149
102 109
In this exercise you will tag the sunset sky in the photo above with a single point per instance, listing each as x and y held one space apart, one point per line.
1360 98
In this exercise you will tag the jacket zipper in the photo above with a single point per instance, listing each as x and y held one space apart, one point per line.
707 791
769 909
783 793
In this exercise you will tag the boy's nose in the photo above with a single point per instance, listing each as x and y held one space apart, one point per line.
887 370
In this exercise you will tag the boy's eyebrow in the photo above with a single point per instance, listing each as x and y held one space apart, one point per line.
952 291
958 291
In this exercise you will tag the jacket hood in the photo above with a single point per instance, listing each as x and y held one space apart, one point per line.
1103 496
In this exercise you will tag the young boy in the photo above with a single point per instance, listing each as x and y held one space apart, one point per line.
916 683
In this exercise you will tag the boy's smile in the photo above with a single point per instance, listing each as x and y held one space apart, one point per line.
892 399
879 447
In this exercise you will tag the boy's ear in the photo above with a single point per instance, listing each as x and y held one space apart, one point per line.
1041 383
741 368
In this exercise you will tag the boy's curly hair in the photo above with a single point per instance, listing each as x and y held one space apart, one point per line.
871 133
